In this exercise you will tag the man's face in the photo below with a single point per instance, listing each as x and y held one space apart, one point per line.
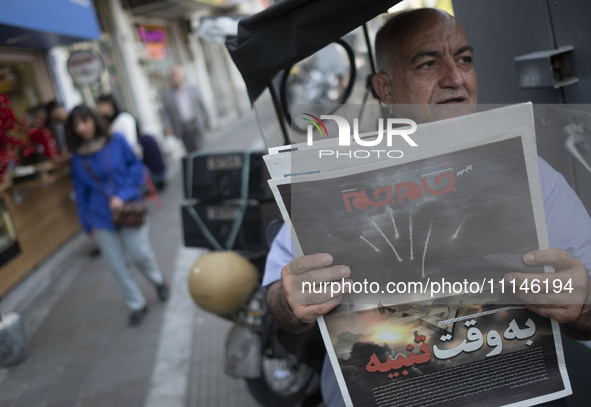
432 65
176 77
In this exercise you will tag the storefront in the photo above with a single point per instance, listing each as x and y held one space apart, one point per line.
36 206
166 34
131 46
161 31
138 47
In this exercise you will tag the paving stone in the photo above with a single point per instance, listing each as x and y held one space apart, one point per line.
126 394
37 398
76 374
29 377
12 391
62 403
117 367
7 403
208 384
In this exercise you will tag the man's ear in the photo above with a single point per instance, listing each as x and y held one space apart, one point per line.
381 85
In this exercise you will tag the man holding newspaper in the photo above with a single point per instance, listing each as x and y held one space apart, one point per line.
424 57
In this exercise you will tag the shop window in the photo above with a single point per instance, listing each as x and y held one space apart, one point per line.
19 83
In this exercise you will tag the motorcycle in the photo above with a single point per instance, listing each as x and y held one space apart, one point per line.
230 211
280 368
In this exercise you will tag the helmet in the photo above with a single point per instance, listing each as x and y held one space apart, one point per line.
221 282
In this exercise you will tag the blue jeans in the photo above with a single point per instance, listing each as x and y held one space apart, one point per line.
133 244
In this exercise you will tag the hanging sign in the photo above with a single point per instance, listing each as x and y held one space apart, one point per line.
155 40
85 67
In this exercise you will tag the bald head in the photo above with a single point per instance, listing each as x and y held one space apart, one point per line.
177 76
424 57
400 27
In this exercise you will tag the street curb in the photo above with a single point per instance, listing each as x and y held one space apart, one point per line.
27 291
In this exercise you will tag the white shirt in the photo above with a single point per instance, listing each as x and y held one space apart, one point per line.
125 124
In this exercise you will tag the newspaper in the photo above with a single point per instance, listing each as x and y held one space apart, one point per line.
464 209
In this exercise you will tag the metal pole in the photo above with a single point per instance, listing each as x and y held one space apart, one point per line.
277 106
369 51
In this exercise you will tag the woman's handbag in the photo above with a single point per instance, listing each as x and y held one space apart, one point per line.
132 213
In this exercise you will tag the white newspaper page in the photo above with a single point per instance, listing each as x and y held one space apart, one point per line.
428 237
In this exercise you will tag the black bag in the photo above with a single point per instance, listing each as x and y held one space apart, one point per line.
132 213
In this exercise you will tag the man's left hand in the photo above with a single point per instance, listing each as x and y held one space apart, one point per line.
565 306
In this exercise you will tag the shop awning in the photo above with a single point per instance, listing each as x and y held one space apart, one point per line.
42 24
291 30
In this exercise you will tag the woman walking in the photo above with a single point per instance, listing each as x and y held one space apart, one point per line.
106 175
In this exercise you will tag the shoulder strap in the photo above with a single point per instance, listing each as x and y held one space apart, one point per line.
95 177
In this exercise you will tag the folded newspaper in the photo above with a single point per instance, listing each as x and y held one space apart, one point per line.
428 232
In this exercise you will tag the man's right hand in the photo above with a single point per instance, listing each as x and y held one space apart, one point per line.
295 311
316 269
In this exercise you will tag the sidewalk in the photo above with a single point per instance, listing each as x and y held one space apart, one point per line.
82 351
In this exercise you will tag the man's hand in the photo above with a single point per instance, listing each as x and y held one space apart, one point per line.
564 307
316 269
296 310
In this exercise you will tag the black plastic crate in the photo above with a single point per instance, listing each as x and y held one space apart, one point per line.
218 219
218 176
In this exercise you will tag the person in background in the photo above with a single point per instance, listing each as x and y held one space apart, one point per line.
106 174
184 114
55 120
154 160
120 121
143 145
